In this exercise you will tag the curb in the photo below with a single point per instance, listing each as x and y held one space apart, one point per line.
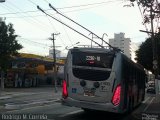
9 96
20 106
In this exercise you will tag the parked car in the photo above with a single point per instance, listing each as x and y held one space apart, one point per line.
151 88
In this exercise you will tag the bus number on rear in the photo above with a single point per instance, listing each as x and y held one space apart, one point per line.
104 86
93 58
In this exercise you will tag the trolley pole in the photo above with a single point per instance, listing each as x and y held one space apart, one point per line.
92 38
54 63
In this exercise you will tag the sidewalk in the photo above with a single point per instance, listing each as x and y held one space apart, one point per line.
28 97
148 110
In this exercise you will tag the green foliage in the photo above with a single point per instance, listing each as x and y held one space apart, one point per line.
27 55
144 55
8 44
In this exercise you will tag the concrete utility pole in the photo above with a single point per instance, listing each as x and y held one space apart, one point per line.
54 57
154 44
2 73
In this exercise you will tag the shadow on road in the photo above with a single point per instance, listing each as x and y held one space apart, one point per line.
97 115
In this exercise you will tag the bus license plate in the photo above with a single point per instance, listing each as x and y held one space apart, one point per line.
88 93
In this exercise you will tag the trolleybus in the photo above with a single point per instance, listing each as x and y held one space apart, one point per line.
102 79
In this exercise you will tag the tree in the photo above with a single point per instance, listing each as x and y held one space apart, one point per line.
8 47
150 11
144 55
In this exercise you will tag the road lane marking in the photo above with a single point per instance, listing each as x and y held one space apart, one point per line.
70 113
146 100
148 104
35 107
27 105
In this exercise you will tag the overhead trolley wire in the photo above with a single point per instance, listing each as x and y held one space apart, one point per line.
52 24
28 21
54 27
46 1
80 26
27 40
67 7
68 26
37 20
66 32
56 30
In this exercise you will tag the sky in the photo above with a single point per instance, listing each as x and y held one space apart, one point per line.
34 28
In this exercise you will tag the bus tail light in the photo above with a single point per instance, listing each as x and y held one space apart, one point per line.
116 96
64 90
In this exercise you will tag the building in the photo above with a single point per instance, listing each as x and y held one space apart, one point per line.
58 53
122 43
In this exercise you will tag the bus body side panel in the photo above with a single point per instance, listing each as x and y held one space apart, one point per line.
133 80
120 81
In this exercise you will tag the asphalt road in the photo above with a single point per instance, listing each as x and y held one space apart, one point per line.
53 110
56 111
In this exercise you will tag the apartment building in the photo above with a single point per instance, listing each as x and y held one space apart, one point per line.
122 43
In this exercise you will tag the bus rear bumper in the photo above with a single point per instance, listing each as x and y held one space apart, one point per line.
109 107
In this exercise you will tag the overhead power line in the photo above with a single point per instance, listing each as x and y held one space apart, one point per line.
32 2
81 27
51 23
68 7
46 1
11 8
37 21
68 26
53 27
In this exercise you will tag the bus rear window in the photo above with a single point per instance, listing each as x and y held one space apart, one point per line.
101 60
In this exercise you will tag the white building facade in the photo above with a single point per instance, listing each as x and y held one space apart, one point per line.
122 43
58 53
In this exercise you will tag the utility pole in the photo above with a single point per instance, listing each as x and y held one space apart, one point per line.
1 73
54 63
150 6
154 43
